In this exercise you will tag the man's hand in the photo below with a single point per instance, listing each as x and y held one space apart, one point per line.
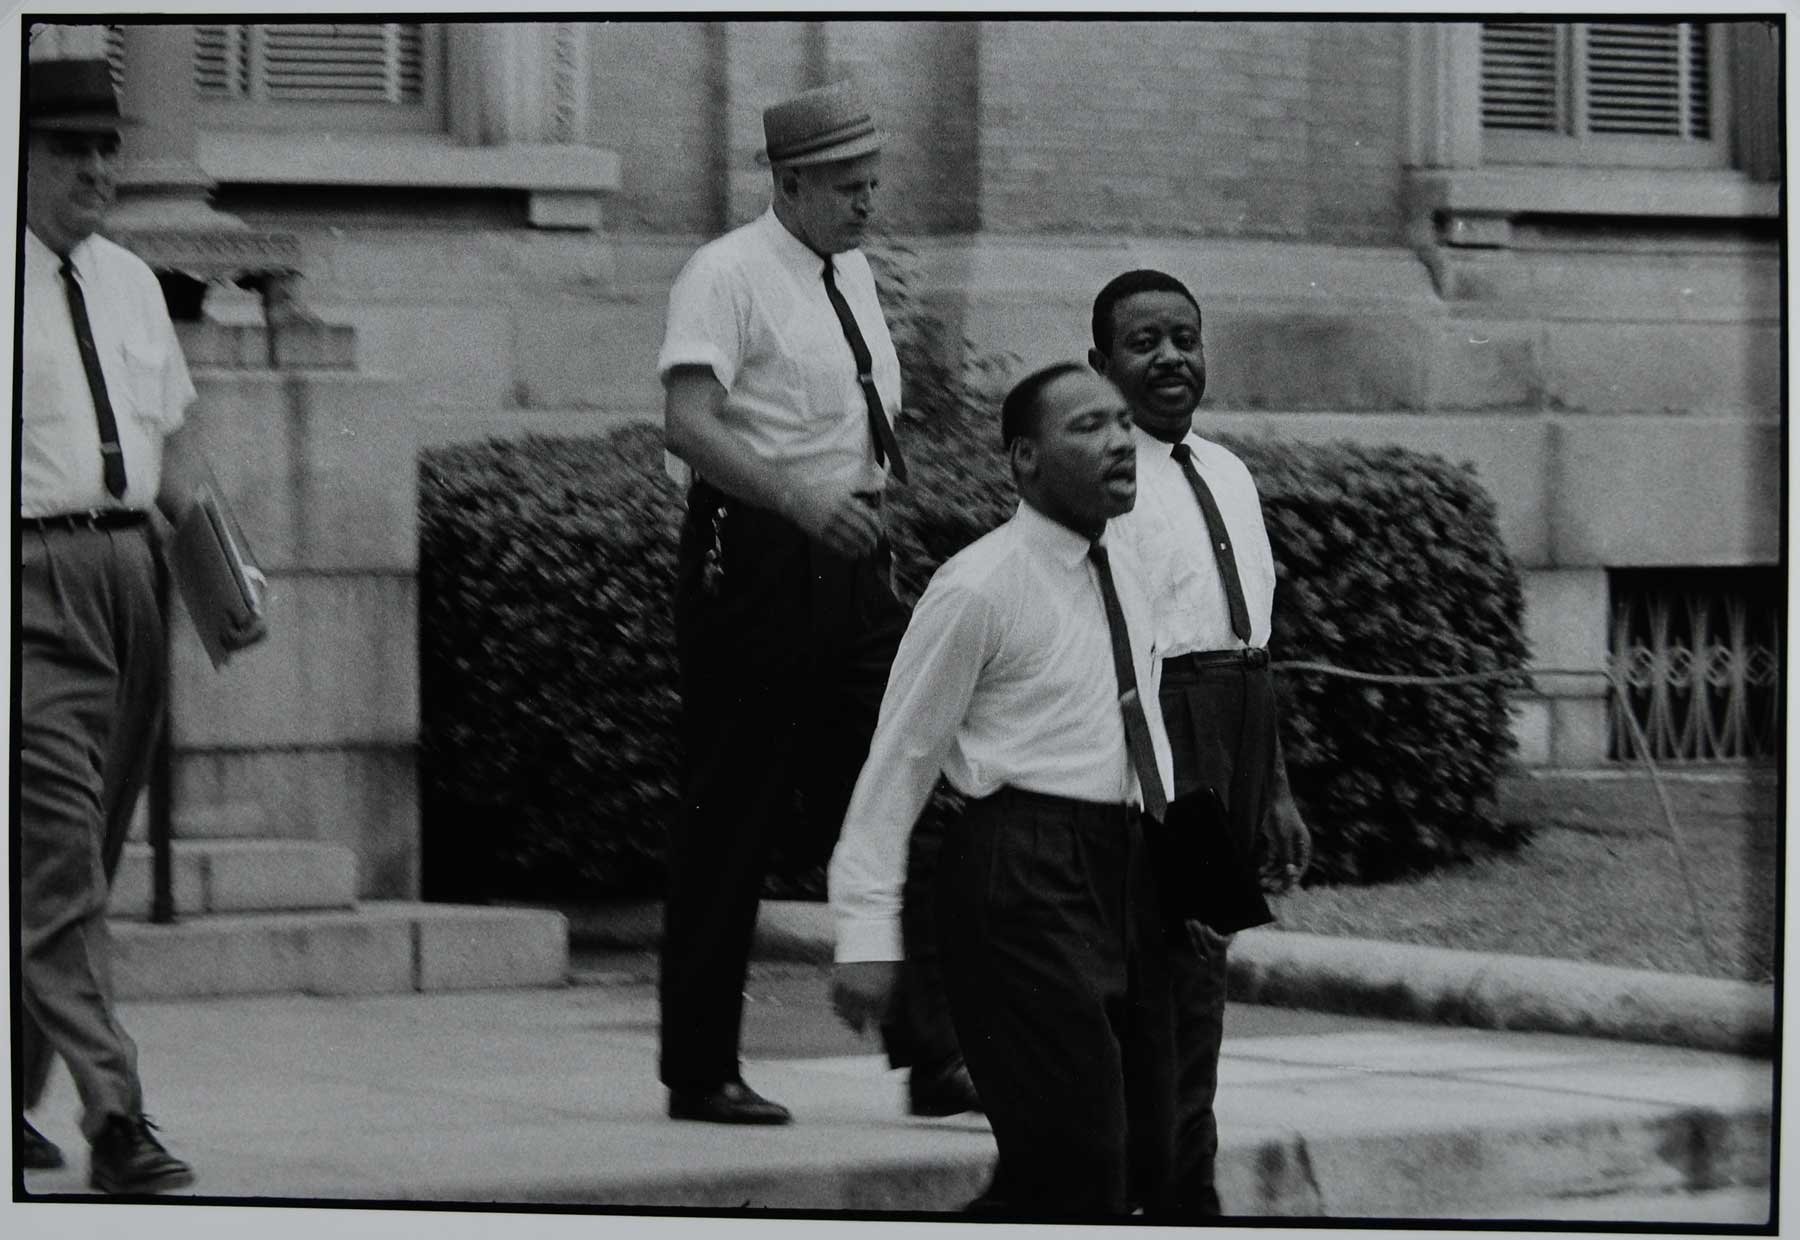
1287 847
861 991
843 518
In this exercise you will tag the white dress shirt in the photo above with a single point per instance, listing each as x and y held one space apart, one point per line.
1005 677
1181 571
752 308
146 376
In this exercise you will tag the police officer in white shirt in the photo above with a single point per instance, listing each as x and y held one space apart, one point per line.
1022 678
103 393
782 385
1198 530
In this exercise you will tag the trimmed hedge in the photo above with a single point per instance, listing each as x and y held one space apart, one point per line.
549 747
1390 561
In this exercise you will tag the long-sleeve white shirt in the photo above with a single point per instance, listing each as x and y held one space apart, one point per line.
1004 677
1181 571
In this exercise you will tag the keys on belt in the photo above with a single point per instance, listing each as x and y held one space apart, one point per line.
1249 656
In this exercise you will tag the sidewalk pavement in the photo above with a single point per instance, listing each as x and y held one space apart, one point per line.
550 1097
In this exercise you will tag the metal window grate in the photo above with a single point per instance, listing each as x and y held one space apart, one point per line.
1699 654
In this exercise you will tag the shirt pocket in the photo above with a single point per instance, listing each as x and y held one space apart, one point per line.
145 367
824 368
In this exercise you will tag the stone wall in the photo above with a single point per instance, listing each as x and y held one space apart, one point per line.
1192 128
311 734
1183 128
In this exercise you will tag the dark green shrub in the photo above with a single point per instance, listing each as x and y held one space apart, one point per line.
549 747
1389 561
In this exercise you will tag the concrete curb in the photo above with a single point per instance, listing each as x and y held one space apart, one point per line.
1408 982
1442 1174
1364 977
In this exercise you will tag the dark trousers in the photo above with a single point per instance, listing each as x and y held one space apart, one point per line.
1221 725
1056 967
785 650
91 688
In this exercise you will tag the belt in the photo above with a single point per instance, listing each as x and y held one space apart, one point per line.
1073 809
1248 656
92 519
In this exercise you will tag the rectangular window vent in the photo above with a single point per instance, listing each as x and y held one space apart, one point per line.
311 62
1581 79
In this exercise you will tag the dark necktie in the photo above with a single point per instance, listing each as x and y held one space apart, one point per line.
112 457
887 448
1137 728
1221 541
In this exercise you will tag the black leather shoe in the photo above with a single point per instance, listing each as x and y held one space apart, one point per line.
944 1090
36 1151
127 1158
731 1103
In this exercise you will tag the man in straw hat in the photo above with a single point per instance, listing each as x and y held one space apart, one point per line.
781 389
103 394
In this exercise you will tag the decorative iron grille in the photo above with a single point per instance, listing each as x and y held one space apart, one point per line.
1698 653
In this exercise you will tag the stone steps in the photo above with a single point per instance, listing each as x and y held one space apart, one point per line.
239 876
378 947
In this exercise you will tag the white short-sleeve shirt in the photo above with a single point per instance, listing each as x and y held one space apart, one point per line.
147 381
751 307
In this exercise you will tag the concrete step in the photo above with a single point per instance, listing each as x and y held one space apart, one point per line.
379 947
239 876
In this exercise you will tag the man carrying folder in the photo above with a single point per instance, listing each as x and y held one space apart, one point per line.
103 393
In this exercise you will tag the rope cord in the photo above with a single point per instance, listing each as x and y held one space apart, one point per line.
1639 742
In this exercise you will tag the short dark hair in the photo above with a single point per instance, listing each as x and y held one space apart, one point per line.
1131 284
1019 411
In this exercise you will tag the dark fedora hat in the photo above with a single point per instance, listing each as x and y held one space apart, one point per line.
819 126
72 96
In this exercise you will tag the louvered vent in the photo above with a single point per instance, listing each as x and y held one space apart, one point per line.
305 62
115 55
1520 78
1646 79
221 62
1632 79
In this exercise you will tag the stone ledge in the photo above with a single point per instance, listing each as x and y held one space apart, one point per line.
239 876
383 947
404 161
1664 193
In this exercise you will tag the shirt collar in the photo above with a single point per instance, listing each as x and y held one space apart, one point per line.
38 249
1151 445
790 249
1053 538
